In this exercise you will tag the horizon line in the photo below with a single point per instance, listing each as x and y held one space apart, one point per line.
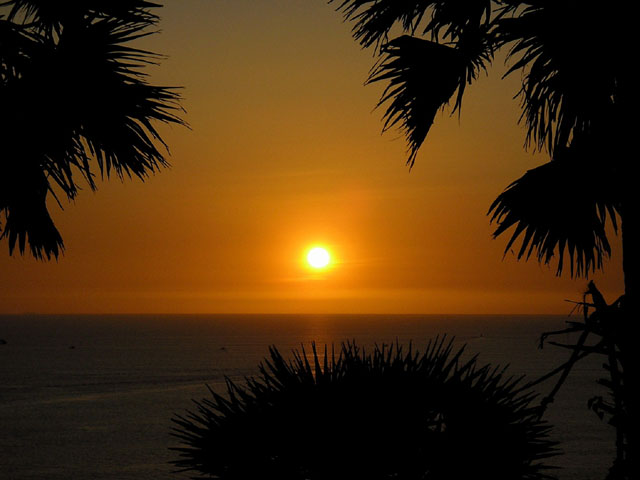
277 313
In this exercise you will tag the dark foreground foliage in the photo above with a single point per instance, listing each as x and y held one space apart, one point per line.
574 59
393 413
77 106
606 324
579 105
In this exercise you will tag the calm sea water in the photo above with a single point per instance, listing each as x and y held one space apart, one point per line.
91 397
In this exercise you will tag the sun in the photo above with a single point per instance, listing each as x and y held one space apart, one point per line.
318 257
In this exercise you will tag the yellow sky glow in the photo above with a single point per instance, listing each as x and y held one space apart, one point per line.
284 150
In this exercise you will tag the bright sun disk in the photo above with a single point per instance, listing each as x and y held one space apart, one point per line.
318 257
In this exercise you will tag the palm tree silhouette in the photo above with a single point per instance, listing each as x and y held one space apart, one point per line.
73 95
576 96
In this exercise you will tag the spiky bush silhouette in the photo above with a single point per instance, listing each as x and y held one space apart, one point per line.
357 415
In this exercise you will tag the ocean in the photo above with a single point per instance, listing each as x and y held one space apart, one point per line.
92 396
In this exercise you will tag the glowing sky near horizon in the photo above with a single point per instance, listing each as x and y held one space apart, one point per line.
285 152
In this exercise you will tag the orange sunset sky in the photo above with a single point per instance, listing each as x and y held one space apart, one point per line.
285 153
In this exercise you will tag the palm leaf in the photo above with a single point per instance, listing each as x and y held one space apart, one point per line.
74 95
27 218
422 77
373 19
46 16
559 207
443 19
116 111
459 19
23 185
571 75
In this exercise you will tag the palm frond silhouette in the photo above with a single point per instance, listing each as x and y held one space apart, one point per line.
392 413
575 93
76 101
562 206
415 91
578 106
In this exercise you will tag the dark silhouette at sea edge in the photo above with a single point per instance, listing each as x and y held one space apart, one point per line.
391 413
75 99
